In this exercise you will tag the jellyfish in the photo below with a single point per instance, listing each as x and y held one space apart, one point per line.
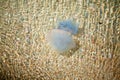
68 25
60 40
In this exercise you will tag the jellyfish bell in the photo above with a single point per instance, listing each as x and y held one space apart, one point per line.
60 40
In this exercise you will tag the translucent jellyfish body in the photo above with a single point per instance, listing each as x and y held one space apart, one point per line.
60 40
69 26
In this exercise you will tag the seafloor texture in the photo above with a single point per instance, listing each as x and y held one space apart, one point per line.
26 55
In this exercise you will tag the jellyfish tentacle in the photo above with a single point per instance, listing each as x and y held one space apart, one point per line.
68 25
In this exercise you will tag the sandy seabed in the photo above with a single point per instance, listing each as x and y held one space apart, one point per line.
26 55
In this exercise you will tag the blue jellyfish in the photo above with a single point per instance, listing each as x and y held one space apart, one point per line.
68 25
60 40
